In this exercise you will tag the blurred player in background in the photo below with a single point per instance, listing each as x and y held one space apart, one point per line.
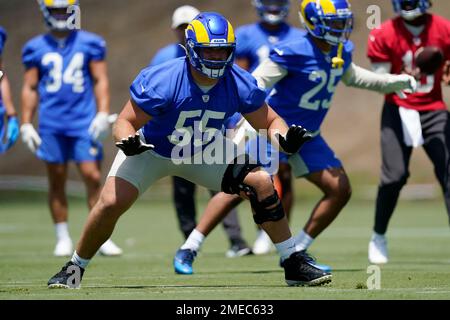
304 73
184 190
9 129
253 46
175 103
420 119
66 77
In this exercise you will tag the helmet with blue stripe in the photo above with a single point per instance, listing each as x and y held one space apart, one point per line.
272 11
330 20
59 14
411 9
211 44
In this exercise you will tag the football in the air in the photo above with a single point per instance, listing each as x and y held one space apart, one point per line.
429 60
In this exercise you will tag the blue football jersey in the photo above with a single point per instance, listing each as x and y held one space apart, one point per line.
67 103
254 42
169 94
172 51
3 37
304 95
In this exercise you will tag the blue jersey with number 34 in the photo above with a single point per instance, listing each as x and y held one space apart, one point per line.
67 102
304 95
168 93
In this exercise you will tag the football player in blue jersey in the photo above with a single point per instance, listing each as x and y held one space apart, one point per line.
254 41
179 108
180 20
253 46
66 77
9 129
304 73
184 190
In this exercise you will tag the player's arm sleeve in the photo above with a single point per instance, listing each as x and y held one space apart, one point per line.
29 57
254 100
145 97
3 37
268 73
358 77
381 67
98 50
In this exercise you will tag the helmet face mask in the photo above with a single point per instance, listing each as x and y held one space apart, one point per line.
210 45
411 9
331 24
337 30
272 12
58 14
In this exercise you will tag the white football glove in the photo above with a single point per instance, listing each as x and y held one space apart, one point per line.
402 83
30 137
100 127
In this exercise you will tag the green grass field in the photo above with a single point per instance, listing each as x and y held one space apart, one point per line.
418 240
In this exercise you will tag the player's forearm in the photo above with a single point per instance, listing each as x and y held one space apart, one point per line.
29 104
99 71
277 126
362 78
123 129
131 119
7 98
102 95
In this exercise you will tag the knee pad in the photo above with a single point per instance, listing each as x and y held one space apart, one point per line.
232 182
262 212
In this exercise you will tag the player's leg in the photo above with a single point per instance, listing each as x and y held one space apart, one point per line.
88 156
283 185
57 200
128 177
318 163
183 198
216 210
91 175
243 178
232 228
394 174
436 133
286 181
54 152
336 189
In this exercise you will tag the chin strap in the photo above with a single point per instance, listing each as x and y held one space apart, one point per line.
338 62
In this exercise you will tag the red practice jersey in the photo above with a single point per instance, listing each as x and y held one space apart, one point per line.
394 43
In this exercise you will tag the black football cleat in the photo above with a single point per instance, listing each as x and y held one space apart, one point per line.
68 278
298 271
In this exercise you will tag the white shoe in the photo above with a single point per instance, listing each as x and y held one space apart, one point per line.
378 252
110 249
63 248
263 244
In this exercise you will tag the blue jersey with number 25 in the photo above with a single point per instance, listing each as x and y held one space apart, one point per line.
67 102
168 93
303 97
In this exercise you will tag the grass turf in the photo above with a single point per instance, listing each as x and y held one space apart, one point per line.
148 233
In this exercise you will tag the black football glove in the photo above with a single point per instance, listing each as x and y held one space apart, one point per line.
133 145
294 139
